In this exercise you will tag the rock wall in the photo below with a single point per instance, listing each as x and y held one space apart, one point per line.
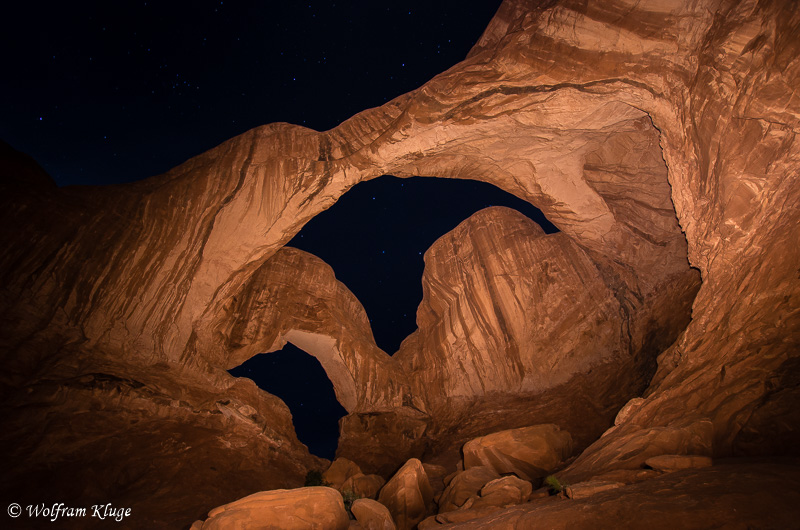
602 114
508 309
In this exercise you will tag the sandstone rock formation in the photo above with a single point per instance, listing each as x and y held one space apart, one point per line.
372 515
659 136
408 495
464 485
302 508
503 492
529 452
345 476
295 297
721 496
586 489
670 463
364 486
339 471
508 309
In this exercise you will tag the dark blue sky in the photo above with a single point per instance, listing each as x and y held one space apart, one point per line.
114 91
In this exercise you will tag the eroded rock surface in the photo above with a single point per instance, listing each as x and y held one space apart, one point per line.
372 515
408 495
529 452
295 297
302 508
340 471
719 496
602 114
464 485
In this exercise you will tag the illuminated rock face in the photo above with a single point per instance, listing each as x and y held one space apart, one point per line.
602 114
295 297
508 309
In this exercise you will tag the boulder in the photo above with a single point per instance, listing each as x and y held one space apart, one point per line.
529 452
429 523
364 486
408 495
436 476
341 469
504 491
302 508
372 515
660 137
465 485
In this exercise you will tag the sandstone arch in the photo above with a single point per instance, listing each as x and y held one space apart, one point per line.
295 297
553 101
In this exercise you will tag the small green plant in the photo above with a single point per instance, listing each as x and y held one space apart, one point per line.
349 498
314 478
554 484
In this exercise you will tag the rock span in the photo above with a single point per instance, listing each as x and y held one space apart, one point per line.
602 114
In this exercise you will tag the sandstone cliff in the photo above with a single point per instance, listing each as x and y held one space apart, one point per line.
602 114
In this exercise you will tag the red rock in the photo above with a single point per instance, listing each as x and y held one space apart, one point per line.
340 471
721 496
626 448
504 491
408 495
582 490
314 507
436 476
627 476
465 485
381 442
529 452
365 486
669 463
428 523
466 514
659 136
372 515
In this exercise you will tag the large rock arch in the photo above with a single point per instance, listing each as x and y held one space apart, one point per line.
572 106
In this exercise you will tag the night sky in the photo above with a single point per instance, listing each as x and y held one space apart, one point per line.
110 92
114 91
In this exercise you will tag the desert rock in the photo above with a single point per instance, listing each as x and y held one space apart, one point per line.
669 463
504 491
529 452
660 137
465 485
408 495
340 471
315 507
363 485
372 515
589 488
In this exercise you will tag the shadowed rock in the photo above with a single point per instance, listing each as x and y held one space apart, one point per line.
660 137
372 515
408 495
529 452
302 508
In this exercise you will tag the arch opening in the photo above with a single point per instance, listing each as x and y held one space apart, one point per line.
376 234
299 379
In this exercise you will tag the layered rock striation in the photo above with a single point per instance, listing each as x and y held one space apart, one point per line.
602 114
